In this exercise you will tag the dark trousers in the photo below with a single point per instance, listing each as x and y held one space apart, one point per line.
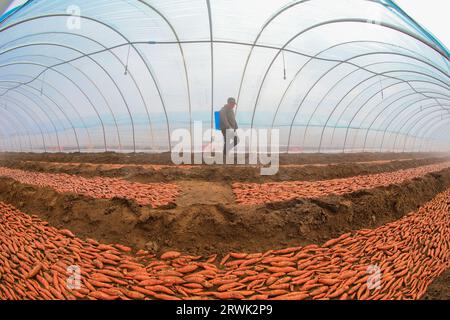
230 140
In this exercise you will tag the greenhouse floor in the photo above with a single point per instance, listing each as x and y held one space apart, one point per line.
200 214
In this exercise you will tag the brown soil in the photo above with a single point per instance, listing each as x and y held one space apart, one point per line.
219 173
165 158
440 288
206 220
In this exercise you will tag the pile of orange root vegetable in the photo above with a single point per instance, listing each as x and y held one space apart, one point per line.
154 194
395 261
256 193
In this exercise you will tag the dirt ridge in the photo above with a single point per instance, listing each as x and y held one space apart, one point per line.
218 228
224 174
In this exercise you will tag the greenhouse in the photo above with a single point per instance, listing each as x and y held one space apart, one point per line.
117 75
224 150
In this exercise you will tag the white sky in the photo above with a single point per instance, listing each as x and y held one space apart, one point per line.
431 14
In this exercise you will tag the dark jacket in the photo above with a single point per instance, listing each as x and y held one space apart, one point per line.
227 118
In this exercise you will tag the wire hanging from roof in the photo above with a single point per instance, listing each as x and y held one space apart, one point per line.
128 59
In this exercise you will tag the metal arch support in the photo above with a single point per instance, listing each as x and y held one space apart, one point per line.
248 58
45 113
351 102
335 85
390 115
409 116
329 48
428 107
123 37
422 92
14 119
17 120
427 44
386 25
357 96
3 139
85 75
211 36
295 52
398 111
357 112
31 96
100 92
432 122
278 48
14 116
90 80
267 23
403 109
246 44
12 144
186 73
432 131
15 135
348 92
58 106
65 76
401 80
18 135
26 135
369 129
183 58
408 82
389 26
412 124
346 133
334 67
442 109
25 111
444 121
329 91
51 113
101 67
363 105
47 84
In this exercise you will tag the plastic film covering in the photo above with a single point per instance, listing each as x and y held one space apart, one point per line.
121 75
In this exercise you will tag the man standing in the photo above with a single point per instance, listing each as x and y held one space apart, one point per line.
228 125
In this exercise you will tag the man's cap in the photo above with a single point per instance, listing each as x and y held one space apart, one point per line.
231 100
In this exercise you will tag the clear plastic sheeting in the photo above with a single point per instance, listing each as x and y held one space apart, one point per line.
121 75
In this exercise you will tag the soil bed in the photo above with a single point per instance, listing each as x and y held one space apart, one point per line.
220 173
440 288
165 158
202 224
206 220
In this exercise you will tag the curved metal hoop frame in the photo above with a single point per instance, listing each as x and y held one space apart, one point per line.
430 74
